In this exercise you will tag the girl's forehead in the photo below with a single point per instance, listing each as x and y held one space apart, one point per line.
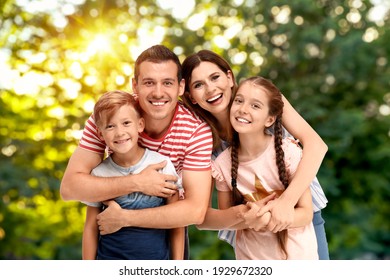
249 89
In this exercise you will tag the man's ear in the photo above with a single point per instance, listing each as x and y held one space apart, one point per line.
182 86
134 85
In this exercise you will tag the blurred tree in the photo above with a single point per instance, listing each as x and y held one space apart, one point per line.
330 58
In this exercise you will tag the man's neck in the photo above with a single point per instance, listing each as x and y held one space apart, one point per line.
156 129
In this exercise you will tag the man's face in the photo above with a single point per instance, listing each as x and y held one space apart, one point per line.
158 89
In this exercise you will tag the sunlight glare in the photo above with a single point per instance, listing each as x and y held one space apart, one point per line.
100 43
179 10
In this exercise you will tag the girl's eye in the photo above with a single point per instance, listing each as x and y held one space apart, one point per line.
127 123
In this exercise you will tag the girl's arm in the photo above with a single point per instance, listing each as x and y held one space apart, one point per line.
176 236
90 234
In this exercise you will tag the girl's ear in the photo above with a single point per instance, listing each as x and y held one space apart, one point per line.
270 121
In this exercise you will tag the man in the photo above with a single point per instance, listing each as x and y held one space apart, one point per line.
170 129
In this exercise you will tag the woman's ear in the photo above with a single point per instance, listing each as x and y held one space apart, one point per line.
193 101
230 78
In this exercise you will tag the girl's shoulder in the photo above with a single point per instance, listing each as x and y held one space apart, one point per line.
224 155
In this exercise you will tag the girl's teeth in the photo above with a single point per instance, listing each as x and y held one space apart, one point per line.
242 120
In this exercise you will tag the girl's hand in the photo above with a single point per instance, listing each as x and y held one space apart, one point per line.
252 220
251 217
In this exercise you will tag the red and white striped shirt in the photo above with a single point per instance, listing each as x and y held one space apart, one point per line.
188 141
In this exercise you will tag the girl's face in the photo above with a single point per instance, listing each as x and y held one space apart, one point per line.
211 88
249 111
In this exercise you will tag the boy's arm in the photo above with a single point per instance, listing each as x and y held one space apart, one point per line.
78 184
188 211
90 234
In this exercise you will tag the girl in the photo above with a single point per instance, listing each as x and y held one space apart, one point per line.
258 164
210 84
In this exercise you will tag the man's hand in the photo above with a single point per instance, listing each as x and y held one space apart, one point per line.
154 183
110 220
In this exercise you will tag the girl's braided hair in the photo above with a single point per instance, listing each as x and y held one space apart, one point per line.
275 105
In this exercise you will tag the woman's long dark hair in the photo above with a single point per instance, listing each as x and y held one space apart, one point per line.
189 64
275 105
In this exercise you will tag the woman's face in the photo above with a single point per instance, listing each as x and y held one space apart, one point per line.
211 88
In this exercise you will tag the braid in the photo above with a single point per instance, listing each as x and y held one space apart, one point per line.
278 131
275 104
236 195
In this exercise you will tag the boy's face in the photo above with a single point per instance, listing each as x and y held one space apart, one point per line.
121 131
158 89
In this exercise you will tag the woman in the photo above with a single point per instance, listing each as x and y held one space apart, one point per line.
210 85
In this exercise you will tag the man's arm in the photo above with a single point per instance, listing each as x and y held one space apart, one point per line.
78 184
188 211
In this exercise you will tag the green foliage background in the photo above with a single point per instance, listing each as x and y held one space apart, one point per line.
328 57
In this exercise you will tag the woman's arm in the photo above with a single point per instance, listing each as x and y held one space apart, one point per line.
314 150
303 212
176 236
234 217
90 234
